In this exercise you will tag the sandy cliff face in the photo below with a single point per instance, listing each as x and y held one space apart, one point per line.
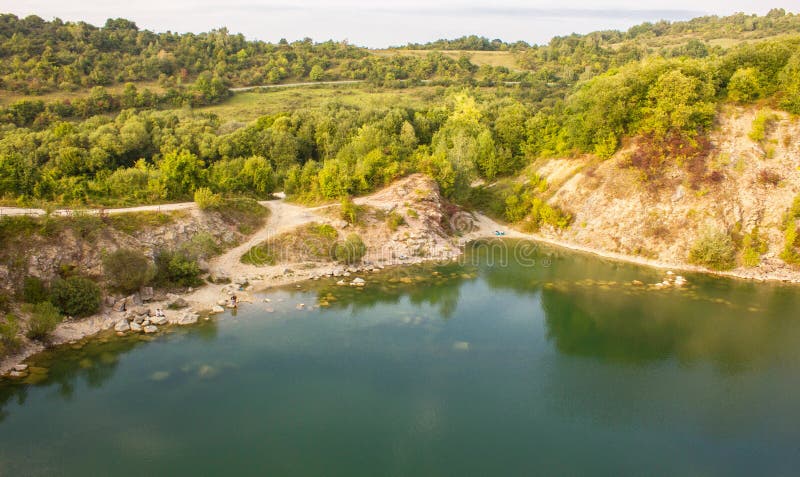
616 211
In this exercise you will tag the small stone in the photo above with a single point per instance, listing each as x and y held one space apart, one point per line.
150 329
341 283
637 283
17 374
146 322
122 326
301 306
159 320
21 367
136 327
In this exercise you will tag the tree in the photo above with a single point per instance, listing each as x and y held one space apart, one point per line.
76 296
44 319
745 85
316 73
181 172
352 250
127 270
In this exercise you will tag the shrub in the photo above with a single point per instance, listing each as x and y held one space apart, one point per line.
394 221
761 125
205 199
44 319
76 296
9 327
34 290
350 211
714 250
769 177
351 250
127 270
202 245
176 268
752 248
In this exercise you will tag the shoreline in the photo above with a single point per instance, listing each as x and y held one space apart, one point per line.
202 301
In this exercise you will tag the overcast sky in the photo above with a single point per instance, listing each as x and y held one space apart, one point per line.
378 24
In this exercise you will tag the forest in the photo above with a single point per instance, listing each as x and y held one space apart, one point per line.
581 95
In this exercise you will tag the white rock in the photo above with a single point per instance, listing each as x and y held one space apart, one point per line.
159 320
20 367
186 318
217 309
150 329
122 325
17 374
136 327
341 283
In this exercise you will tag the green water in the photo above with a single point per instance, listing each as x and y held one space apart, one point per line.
555 367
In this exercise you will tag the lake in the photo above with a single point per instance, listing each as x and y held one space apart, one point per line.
521 360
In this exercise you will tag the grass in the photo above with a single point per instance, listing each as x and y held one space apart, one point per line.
136 221
311 242
250 105
479 58
8 97
246 214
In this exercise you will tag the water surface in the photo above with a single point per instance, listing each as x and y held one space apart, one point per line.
550 364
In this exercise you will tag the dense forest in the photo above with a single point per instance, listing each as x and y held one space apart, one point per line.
577 95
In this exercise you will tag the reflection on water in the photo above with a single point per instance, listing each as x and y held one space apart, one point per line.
563 350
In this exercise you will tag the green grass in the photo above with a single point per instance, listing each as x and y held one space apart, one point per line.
250 105
246 214
137 221
312 242
479 58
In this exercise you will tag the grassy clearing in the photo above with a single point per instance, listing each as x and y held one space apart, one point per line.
246 214
138 221
311 242
250 105
480 58
8 97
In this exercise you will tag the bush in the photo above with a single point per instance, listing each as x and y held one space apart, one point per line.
34 290
761 125
9 327
752 248
44 319
205 199
350 211
76 296
351 250
127 270
714 250
176 268
394 221
769 177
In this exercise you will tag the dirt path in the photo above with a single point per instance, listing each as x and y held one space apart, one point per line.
122 210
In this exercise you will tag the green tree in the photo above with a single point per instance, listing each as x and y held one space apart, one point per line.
76 296
127 270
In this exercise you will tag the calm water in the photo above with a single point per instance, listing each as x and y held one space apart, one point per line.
557 367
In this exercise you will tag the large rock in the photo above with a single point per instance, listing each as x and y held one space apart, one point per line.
217 309
159 320
178 303
147 294
186 318
122 326
136 327
150 329
119 305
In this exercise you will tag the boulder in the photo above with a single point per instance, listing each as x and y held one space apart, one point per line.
150 329
122 326
119 305
136 327
186 318
138 319
217 309
159 320
178 303
147 294
359 282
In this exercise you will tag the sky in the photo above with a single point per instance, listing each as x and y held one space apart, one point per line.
379 24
